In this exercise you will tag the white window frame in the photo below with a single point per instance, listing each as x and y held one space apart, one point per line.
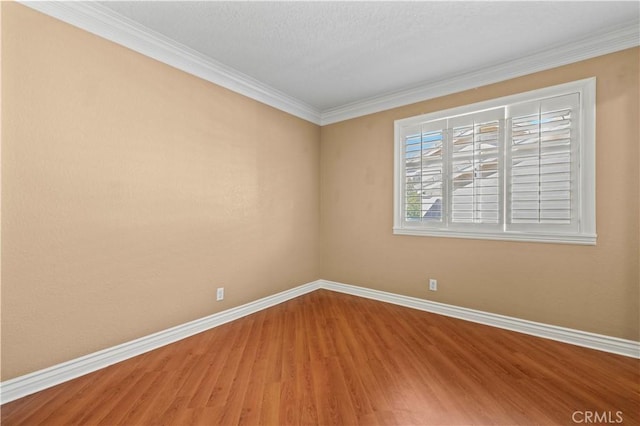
583 229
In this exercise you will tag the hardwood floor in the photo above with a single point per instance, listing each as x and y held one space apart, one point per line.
330 358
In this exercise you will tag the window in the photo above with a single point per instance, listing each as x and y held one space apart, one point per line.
520 167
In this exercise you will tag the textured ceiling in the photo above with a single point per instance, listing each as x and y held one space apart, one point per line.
330 54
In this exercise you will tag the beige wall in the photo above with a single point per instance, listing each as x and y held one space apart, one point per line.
592 288
131 190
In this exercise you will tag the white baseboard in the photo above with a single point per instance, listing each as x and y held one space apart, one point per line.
42 379
600 342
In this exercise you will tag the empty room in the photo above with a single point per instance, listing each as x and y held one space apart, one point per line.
282 213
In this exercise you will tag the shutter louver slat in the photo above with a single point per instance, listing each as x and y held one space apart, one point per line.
424 176
540 167
475 173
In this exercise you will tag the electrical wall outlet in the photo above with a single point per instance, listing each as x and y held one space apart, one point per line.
220 294
433 284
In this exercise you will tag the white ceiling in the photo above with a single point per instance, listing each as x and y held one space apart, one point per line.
328 55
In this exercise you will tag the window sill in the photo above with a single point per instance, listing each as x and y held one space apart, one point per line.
582 239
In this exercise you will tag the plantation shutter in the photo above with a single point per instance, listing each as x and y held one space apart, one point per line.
423 172
541 159
518 168
475 177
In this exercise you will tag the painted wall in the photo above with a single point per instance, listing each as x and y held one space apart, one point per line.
592 288
131 190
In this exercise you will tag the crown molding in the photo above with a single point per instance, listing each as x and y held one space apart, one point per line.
105 23
600 43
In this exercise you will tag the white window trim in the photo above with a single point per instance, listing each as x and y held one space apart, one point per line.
587 168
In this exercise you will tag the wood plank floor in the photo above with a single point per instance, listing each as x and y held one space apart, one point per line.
330 358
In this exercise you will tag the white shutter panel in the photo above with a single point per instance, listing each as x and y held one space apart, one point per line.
423 173
475 179
542 154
